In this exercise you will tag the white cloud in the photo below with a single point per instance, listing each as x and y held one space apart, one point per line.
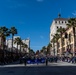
74 13
39 0
15 4
41 37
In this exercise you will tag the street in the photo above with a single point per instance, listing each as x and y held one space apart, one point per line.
51 69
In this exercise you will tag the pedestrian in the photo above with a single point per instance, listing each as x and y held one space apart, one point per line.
25 61
37 60
46 61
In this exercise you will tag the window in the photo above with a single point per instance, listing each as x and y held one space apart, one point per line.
65 21
59 22
55 21
62 21
57 27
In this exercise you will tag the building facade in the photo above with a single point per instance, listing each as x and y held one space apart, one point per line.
27 42
9 44
69 43
57 23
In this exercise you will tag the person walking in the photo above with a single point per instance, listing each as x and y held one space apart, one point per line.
46 61
25 61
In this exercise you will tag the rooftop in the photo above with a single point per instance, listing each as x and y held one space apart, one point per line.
59 18
62 19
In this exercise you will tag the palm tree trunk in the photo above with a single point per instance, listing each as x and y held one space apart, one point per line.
17 48
3 55
57 47
2 44
20 47
61 45
54 48
74 40
20 50
12 47
12 42
26 49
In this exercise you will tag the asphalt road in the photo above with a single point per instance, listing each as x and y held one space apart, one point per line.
38 70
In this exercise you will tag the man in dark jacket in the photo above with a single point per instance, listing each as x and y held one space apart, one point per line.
46 61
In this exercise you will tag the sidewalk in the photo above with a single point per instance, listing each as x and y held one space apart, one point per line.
60 63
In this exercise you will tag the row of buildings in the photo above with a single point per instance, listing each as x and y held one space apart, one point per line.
68 39
8 44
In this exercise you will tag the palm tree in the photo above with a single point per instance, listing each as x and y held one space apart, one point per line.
24 46
4 32
57 36
49 47
31 52
13 31
72 23
60 31
20 43
53 42
41 50
37 52
44 50
16 41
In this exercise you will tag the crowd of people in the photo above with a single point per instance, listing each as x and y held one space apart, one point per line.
8 57
51 59
38 60
71 59
8 60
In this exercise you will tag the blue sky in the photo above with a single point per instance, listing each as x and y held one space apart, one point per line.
33 18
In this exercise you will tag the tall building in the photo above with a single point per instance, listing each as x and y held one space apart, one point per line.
69 43
57 23
27 42
9 43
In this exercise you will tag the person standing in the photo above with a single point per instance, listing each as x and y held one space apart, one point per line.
25 61
46 61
